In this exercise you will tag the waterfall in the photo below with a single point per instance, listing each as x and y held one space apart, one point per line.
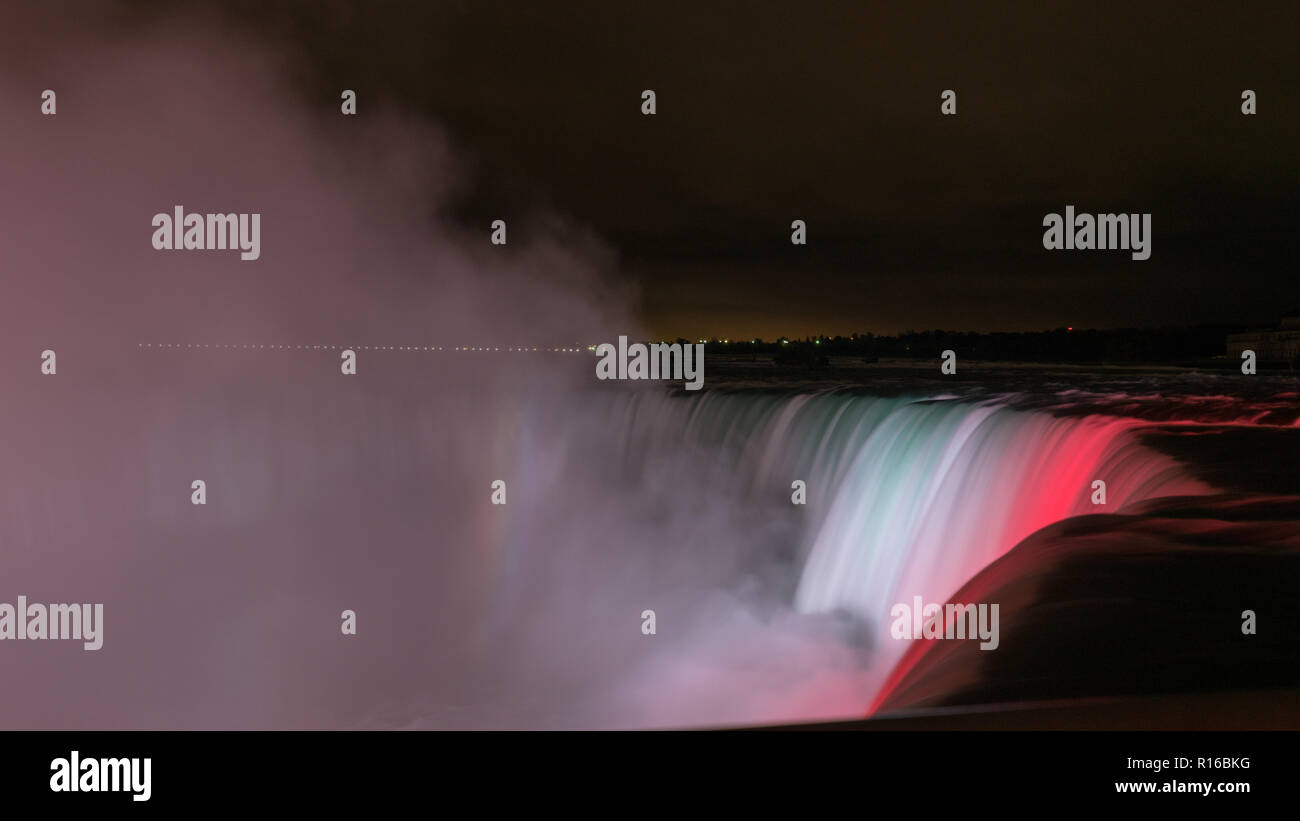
906 496
527 614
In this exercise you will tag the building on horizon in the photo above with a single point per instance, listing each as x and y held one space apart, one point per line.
1281 344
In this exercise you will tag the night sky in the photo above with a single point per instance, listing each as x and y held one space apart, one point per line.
768 112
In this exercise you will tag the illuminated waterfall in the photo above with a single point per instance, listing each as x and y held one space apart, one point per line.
910 496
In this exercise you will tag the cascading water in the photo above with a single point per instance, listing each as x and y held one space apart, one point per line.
907 496
526 614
